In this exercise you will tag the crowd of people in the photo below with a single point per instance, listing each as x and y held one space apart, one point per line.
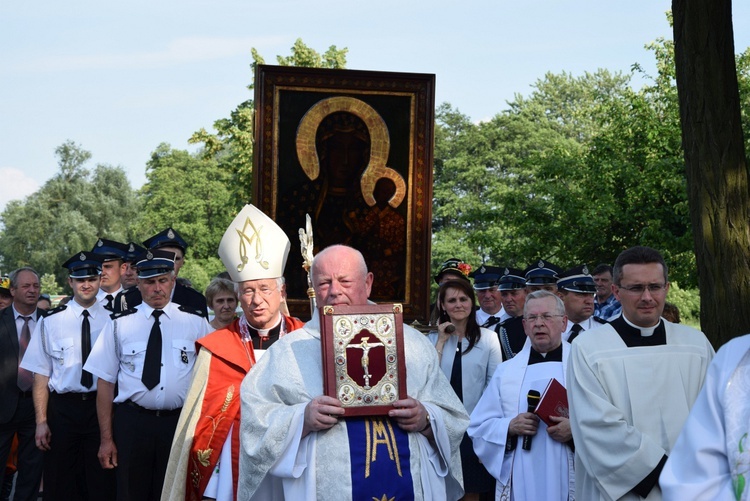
130 390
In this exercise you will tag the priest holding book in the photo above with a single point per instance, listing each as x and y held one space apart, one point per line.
529 458
296 443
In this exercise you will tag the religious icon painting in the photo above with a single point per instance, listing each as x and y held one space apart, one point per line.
363 357
353 151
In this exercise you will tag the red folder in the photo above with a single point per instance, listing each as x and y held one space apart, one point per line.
554 402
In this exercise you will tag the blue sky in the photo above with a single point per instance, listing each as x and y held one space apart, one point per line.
120 78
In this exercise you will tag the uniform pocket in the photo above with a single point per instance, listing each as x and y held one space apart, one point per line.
133 356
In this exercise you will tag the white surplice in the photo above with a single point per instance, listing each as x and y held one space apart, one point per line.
545 472
628 405
711 459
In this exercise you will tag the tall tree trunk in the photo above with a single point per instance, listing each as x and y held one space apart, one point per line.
715 163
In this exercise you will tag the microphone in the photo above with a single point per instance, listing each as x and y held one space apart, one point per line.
532 399
450 329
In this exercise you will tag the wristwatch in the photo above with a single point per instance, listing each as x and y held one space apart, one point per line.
427 425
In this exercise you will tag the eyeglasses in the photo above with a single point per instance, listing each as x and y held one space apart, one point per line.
546 318
639 289
264 291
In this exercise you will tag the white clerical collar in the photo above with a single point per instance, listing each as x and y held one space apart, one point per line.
645 331
264 332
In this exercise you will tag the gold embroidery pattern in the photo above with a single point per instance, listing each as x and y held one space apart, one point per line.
380 432
246 241
381 331
203 456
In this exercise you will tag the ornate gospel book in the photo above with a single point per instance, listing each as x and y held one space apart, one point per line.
363 357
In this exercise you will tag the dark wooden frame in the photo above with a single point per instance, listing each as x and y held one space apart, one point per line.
406 104
335 346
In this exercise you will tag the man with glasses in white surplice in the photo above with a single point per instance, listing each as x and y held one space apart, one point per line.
632 384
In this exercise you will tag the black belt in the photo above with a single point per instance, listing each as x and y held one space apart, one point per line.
153 412
75 396
24 394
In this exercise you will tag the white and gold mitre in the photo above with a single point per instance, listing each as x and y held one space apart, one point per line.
254 247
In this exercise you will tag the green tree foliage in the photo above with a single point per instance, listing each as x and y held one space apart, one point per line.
232 143
190 193
48 284
579 170
688 301
67 214
743 82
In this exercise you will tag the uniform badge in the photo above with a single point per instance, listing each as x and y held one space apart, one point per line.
100 243
82 257
170 233
183 356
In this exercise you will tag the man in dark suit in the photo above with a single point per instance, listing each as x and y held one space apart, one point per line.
17 322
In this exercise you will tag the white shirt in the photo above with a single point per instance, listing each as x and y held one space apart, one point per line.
120 352
55 347
19 321
101 296
587 325
483 316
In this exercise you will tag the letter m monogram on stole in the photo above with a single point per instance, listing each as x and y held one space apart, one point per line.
380 460
380 433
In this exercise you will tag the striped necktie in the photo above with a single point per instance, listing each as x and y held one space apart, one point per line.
25 378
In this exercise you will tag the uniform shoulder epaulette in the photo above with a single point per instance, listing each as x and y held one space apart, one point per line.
120 314
192 309
600 320
60 308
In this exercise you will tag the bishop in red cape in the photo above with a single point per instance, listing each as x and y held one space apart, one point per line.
204 460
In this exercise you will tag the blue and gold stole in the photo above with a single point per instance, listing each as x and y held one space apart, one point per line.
379 454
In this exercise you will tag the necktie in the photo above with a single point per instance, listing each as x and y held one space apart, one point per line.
152 364
456 374
86 378
110 298
490 322
574 331
25 378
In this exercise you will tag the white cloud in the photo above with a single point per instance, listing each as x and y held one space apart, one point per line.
178 51
17 185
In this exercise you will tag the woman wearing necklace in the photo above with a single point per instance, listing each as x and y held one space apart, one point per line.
468 356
